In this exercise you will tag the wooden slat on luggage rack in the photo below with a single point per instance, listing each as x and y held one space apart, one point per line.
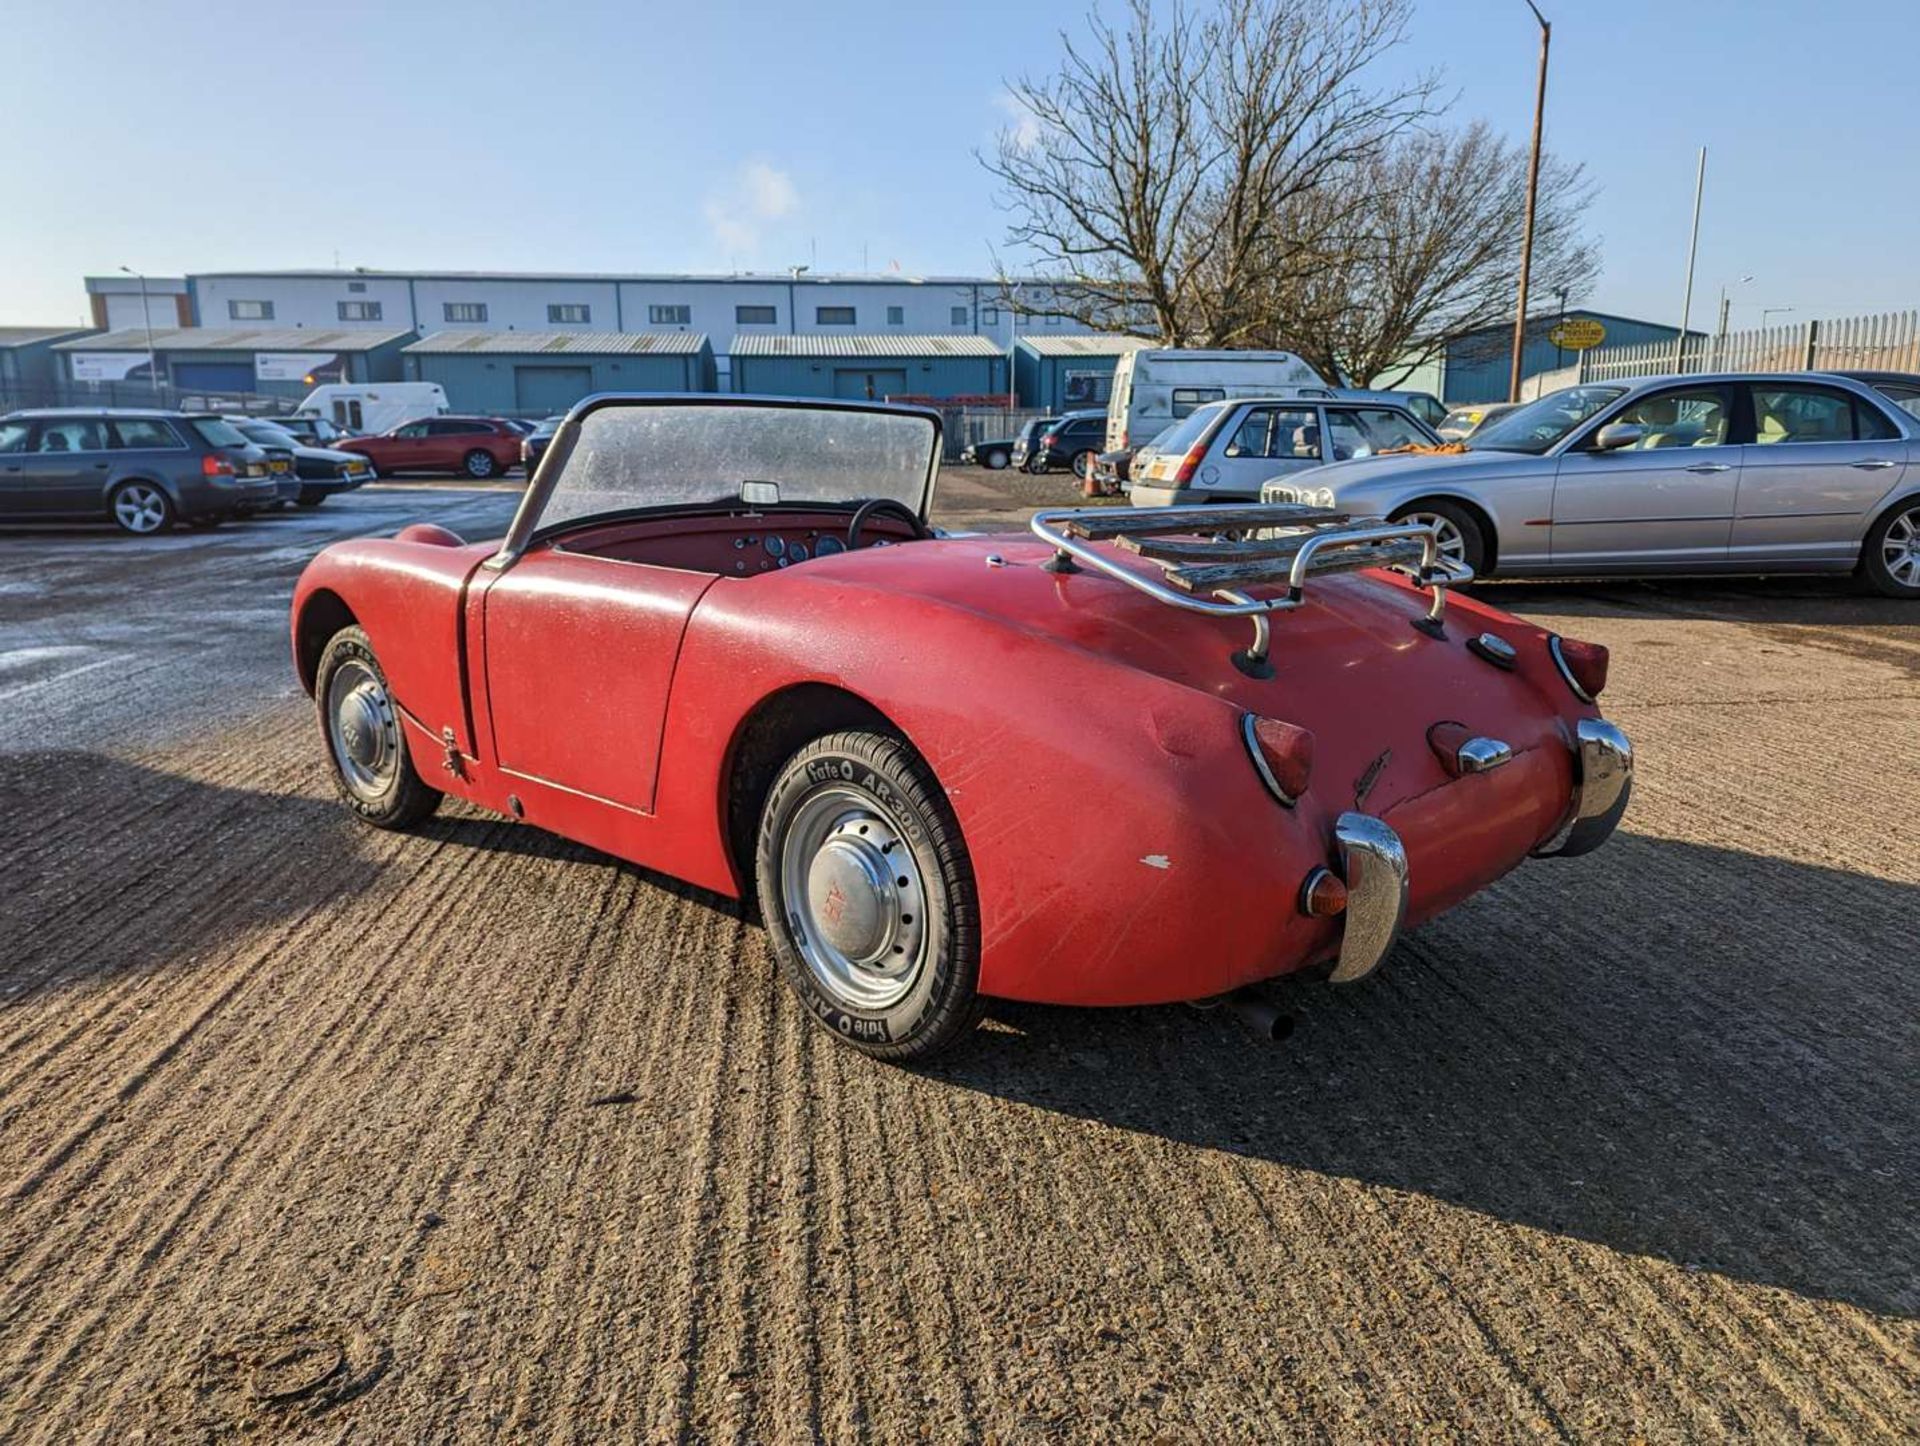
1093 526
1272 570
1171 549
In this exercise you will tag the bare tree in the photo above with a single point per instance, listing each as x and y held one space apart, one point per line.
1151 168
1417 244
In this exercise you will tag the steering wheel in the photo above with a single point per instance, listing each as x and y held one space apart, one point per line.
875 505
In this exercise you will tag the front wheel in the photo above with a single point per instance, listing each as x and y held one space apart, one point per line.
868 896
1891 559
480 464
372 769
1458 530
994 460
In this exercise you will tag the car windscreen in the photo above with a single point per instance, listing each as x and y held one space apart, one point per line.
216 433
269 436
1537 426
648 455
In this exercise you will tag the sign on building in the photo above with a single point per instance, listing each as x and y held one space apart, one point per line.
109 366
311 367
1577 334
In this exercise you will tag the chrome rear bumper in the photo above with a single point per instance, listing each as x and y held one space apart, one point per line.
1603 782
1373 865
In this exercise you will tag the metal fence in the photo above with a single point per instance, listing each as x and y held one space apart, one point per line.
1887 342
964 426
14 395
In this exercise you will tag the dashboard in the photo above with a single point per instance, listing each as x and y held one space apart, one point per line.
738 545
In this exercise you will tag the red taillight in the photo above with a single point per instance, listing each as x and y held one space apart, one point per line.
1583 665
1282 755
1047 438
1189 465
212 466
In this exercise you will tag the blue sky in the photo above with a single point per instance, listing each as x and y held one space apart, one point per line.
716 136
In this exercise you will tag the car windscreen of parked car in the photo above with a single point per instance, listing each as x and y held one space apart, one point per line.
1537 426
647 455
268 435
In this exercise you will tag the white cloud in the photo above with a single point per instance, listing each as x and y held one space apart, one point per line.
737 212
1021 123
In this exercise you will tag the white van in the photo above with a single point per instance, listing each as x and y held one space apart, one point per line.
1154 389
363 408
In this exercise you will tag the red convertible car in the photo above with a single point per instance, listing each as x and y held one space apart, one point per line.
1143 756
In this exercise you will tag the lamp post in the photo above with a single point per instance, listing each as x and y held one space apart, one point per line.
1693 250
1720 331
146 315
1767 311
1533 193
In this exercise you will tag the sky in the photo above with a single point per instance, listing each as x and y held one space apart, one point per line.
726 136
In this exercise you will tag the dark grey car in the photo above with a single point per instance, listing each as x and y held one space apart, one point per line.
141 470
318 472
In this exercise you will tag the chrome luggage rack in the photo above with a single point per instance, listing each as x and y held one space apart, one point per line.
1210 555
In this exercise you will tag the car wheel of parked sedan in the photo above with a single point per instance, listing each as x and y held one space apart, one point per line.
1461 539
480 464
307 499
142 508
868 896
995 460
1891 558
1083 464
372 769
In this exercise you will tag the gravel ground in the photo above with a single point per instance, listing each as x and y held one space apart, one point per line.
310 1132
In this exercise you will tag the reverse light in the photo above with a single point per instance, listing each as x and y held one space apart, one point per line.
212 466
1282 755
1583 665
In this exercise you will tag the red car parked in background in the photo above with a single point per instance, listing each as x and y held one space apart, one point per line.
477 446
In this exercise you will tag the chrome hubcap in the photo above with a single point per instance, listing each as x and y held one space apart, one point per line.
1453 546
362 730
140 508
1900 549
854 899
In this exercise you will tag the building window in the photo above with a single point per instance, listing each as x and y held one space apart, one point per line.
754 316
359 310
670 315
841 315
989 316
564 312
464 311
356 287
959 316
896 316
249 311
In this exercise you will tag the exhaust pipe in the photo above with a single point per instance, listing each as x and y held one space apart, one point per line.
1261 1017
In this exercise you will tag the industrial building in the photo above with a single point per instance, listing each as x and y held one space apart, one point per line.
949 369
30 374
282 363
535 373
1061 373
1477 365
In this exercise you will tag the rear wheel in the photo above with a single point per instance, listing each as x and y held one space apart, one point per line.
868 896
480 464
1891 558
1083 464
1460 535
371 766
141 508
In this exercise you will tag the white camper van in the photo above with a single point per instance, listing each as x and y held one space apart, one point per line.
362 408
1154 389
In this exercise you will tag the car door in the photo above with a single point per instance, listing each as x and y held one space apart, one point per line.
1819 459
579 654
1667 500
15 482
1259 443
404 449
66 467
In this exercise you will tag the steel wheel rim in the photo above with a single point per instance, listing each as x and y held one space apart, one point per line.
854 898
1900 549
362 731
1451 541
140 508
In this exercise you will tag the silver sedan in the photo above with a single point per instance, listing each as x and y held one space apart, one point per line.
1788 472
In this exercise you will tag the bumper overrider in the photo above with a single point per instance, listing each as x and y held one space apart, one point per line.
1373 861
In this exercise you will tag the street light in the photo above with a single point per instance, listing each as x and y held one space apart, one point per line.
1533 193
1720 333
1767 311
146 315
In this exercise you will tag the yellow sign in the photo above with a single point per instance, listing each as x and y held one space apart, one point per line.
1578 334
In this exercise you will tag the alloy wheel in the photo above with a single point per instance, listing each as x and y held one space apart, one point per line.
1900 548
1452 545
140 508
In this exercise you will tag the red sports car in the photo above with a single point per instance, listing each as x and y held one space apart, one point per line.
478 446
1144 756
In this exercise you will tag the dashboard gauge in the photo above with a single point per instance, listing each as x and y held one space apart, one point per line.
797 551
828 546
776 546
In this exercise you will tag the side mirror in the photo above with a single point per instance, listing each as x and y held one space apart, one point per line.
1615 435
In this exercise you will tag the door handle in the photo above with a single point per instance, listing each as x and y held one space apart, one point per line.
1711 467
1874 465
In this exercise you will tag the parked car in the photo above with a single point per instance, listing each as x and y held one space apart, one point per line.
1424 405
534 445
1900 388
318 472
1111 471
368 408
478 446
1461 422
995 454
1228 450
765 733
1028 441
1155 387
1072 442
310 431
1718 473
141 470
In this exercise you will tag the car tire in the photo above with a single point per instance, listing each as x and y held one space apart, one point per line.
366 749
1890 560
310 500
1083 464
1461 535
995 460
140 508
479 464
206 523
868 896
